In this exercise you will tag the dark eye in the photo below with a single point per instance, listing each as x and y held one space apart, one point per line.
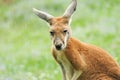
65 31
52 33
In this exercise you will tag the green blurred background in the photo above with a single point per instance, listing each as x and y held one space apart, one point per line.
25 42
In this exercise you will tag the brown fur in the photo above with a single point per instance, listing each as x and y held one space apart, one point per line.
94 62
78 60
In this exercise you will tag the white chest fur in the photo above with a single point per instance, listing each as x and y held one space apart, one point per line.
69 72
66 64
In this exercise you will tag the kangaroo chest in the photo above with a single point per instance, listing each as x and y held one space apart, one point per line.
60 56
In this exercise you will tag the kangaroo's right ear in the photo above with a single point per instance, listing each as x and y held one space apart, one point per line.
43 15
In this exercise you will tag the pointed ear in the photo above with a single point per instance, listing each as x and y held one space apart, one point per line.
43 15
70 10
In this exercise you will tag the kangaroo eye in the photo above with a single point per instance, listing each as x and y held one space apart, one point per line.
52 33
65 31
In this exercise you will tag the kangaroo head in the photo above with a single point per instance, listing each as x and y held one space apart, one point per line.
60 29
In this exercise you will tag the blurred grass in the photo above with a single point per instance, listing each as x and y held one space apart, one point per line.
25 42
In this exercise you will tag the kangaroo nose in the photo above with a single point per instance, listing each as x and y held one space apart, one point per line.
58 46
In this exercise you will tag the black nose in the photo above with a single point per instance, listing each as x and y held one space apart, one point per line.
58 47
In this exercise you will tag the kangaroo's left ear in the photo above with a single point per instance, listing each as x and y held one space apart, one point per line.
71 9
43 15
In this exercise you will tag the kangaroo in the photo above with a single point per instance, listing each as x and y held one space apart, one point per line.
78 60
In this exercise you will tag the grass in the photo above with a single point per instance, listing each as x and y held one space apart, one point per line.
25 42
